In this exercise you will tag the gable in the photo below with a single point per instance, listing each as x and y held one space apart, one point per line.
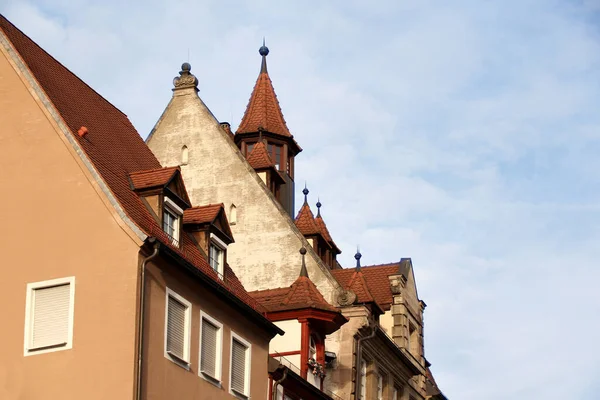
267 241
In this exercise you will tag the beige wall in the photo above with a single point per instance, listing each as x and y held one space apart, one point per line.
58 225
163 378
265 252
291 341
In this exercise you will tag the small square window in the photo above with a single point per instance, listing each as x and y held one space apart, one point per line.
211 339
240 367
177 329
49 316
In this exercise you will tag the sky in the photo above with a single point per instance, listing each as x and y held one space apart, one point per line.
462 134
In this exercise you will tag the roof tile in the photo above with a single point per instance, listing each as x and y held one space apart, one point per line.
259 157
152 178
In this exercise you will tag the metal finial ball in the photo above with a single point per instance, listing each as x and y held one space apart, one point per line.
263 51
303 251
186 67
305 191
319 204
357 256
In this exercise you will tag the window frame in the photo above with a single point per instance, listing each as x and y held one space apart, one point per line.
218 356
235 336
185 361
28 349
170 207
363 379
222 248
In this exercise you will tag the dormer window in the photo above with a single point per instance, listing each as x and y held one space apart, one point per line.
216 254
172 220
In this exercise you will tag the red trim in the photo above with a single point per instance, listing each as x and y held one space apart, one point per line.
270 388
286 353
305 335
305 313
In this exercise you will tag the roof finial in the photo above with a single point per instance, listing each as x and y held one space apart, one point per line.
264 52
185 79
303 271
357 257
318 207
305 191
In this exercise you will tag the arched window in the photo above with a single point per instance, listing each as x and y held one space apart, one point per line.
184 155
232 215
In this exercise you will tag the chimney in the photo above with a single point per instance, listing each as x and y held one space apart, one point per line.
227 128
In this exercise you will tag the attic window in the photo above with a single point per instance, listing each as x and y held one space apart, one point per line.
216 254
172 220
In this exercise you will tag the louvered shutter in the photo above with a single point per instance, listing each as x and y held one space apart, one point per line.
50 316
176 327
208 361
238 367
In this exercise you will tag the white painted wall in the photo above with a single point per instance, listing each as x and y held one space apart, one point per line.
291 341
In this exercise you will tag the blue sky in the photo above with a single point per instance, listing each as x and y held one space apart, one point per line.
462 134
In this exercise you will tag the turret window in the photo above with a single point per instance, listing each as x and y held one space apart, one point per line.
275 151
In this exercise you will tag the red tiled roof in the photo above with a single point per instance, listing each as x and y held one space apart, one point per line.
301 294
325 232
151 178
305 221
112 144
263 110
202 214
259 157
375 278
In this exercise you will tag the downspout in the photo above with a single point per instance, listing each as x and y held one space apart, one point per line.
277 382
141 308
359 356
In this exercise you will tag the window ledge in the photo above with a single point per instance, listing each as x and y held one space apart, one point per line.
239 395
213 381
178 360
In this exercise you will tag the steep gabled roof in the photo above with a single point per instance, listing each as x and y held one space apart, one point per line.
263 110
202 214
376 278
325 232
305 221
259 158
301 294
152 178
112 145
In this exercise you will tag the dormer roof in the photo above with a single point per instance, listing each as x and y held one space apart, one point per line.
212 214
259 158
325 233
305 221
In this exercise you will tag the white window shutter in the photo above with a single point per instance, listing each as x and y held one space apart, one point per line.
208 356
50 325
176 328
238 367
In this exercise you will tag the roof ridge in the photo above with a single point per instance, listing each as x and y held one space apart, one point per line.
2 17
372 266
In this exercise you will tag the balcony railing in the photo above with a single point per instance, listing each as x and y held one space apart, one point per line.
287 363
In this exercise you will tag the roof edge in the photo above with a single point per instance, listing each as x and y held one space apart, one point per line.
52 114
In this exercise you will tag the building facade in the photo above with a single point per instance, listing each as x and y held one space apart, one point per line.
378 353
117 285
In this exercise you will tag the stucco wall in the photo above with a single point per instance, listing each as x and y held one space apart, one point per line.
265 253
58 225
291 341
163 378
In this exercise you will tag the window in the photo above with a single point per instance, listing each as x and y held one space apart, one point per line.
312 348
232 215
363 380
379 387
185 155
275 151
216 254
249 148
49 316
240 366
177 329
211 339
171 219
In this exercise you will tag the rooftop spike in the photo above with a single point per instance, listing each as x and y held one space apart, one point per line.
264 52
357 257
318 207
303 271
305 192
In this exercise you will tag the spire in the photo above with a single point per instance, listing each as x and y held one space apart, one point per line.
264 52
357 257
303 271
318 207
305 192
263 109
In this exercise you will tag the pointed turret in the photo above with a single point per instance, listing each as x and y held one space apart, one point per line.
330 256
263 119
